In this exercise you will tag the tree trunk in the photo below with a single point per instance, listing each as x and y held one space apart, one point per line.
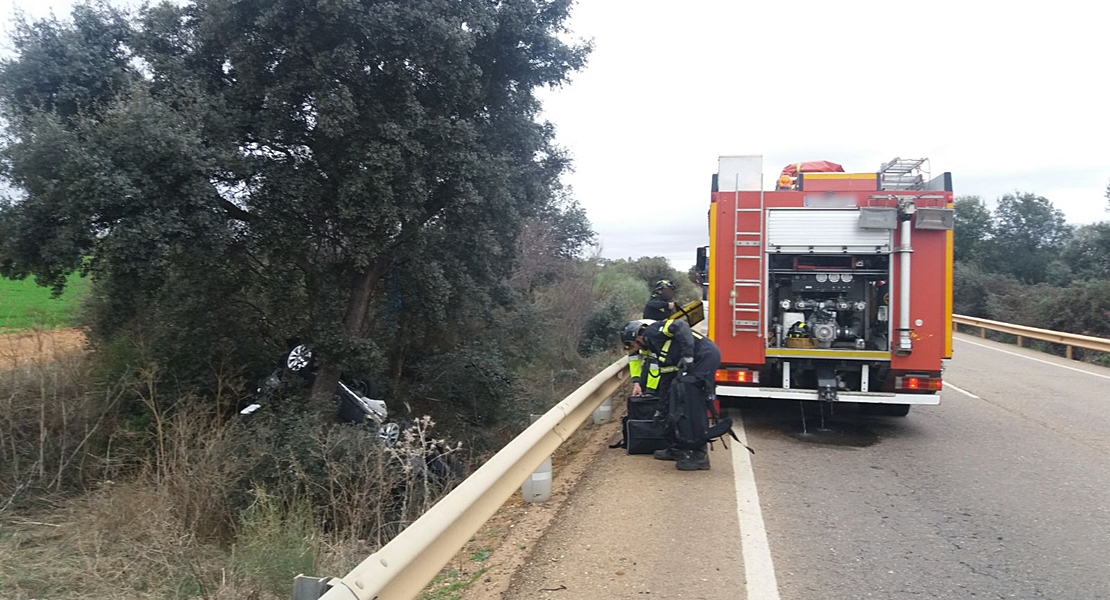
399 361
327 374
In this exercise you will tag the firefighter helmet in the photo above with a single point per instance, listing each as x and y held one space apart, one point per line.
798 330
632 329
664 283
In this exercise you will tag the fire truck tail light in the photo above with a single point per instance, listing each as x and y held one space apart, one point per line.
918 383
737 376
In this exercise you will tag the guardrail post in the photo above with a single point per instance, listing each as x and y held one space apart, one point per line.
1067 352
309 588
604 412
537 488
983 332
1019 341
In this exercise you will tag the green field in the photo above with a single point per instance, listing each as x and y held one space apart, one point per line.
24 305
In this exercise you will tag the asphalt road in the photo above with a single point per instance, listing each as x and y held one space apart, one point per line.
632 524
1002 492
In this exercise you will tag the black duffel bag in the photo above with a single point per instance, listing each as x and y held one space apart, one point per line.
643 430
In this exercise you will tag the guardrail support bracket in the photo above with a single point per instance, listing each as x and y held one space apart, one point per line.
309 588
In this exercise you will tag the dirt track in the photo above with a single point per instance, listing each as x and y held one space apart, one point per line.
28 347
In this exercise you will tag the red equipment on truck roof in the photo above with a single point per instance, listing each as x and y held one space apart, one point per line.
790 173
813 166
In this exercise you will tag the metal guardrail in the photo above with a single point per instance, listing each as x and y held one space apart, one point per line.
1068 340
401 569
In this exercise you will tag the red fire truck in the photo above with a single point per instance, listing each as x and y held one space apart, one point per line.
832 287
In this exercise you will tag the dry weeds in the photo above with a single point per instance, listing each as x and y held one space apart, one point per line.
36 346
173 525
160 512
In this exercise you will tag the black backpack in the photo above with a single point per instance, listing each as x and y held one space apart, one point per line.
689 409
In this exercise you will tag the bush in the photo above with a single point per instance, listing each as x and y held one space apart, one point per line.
650 270
976 292
623 289
1082 307
56 429
601 329
618 298
270 498
276 537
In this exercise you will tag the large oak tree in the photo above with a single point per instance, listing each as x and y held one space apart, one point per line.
293 149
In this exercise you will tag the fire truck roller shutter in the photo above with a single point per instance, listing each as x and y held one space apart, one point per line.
823 231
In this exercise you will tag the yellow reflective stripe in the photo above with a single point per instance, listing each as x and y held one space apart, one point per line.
653 382
697 335
667 327
666 348
635 368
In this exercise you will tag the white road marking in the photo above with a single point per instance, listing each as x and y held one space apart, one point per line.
759 570
964 392
1031 358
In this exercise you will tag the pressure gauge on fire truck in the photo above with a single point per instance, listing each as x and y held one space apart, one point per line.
834 277
846 277
785 304
822 278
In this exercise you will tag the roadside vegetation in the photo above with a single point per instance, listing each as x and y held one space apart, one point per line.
1023 263
232 175
113 484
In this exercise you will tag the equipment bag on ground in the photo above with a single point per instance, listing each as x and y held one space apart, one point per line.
644 436
642 427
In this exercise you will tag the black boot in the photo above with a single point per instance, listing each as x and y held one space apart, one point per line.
698 460
671 453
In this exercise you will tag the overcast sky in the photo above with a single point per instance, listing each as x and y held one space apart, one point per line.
1006 96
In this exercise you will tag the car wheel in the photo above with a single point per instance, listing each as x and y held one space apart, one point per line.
389 434
298 358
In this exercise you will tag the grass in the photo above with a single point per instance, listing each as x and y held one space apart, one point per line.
25 305
450 585
276 542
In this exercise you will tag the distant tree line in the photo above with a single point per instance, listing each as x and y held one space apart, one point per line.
1023 263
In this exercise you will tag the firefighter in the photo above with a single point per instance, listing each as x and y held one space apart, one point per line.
697 359
661 304
647 373
636 365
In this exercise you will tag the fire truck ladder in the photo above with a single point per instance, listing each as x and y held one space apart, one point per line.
747 269
898 174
